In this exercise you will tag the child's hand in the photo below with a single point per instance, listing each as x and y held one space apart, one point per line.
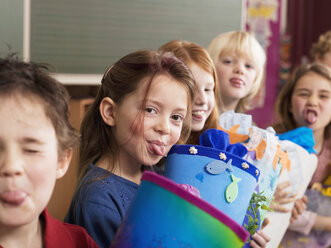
260 239
282 197
300 205
323 223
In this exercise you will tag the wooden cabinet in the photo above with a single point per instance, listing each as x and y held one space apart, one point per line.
65 187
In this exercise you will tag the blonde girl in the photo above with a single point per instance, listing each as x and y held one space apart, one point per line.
239 60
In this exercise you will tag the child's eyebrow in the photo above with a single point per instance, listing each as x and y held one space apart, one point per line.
210 83
153 101
302 89
158 103
30 140
325 91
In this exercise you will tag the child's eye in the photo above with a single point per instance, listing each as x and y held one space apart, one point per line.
227 61
249 66
150 110
325 96
30 151
177 117
209 89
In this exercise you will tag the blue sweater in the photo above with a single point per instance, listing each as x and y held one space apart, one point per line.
100 206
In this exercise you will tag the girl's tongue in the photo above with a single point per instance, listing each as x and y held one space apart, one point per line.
13 197
310 116
159 149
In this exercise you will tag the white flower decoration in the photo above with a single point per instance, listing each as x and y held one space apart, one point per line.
193 150
222 156
245 165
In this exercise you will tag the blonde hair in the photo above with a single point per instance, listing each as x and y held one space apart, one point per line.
322 46
243 44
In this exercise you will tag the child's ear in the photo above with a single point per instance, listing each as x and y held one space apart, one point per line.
107 111
63 163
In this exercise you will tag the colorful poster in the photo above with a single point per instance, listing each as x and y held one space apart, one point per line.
263 20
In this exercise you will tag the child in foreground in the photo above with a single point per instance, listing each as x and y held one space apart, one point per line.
36 142
141 110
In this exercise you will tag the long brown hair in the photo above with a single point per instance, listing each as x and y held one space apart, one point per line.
119 80
192 53
285 118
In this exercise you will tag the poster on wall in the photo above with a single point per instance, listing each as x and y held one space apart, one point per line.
263 20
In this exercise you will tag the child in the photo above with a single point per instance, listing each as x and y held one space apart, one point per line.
306 101
141 110
239 60
204 110
321 50
36 142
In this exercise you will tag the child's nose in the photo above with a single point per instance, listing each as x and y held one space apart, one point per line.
239 68
313 100
10 165
163 126
200 98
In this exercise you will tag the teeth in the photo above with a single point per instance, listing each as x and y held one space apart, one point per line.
198 112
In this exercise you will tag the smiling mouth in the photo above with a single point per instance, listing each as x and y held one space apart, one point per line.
198 114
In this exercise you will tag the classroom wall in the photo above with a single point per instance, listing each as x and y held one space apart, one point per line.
11 27
264 21
85 36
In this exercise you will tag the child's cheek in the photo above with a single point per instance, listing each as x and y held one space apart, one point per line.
137 125
176 135
42 169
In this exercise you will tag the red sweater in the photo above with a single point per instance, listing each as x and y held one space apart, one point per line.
64 235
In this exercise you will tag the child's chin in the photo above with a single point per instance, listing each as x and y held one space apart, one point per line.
152 161
14 220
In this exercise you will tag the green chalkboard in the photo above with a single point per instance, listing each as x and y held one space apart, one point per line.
86 36
11 27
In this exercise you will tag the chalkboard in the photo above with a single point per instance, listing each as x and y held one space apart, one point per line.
86 36
11 27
